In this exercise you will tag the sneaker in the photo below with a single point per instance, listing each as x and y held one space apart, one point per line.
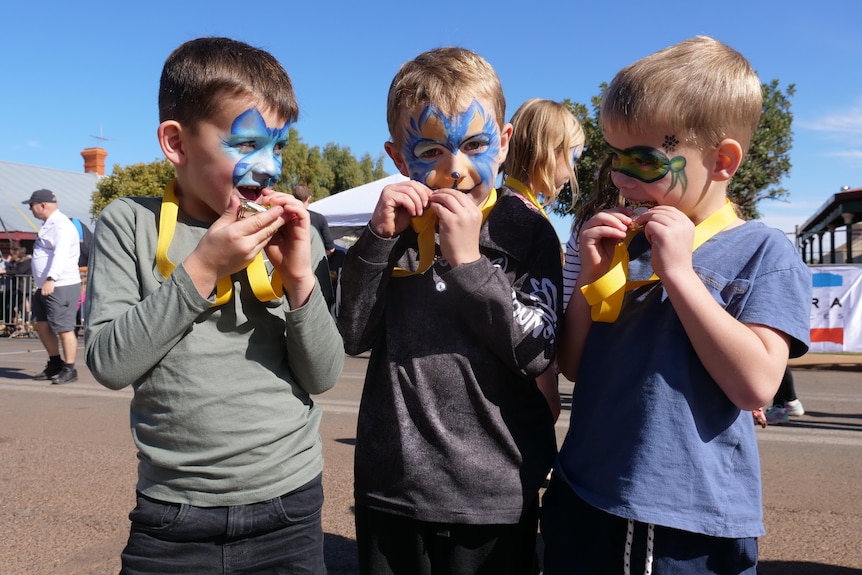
777 414
50 372
66 375
794 408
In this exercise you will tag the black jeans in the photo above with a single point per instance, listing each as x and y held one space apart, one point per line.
282 535
395 545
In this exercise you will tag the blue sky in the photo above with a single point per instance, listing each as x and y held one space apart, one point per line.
77 71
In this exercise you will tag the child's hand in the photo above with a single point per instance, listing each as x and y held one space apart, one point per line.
230 244
671 235
399 203
289 249
459 221
598 239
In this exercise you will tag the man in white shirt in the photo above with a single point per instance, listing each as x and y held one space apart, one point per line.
58 282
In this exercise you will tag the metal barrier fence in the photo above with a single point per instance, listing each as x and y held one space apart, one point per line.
15 294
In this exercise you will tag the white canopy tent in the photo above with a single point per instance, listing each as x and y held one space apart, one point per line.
349 211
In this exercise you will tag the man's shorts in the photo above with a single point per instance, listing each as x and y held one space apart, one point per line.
58 309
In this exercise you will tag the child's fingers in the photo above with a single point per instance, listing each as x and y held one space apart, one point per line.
260 227
412 196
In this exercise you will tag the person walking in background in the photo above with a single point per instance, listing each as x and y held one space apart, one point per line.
225 347
785 403
302 193
455 287
546 142
58 287
673 333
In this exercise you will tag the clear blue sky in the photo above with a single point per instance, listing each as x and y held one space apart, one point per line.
74 71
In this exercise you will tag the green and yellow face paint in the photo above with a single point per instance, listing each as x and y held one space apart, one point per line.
648 165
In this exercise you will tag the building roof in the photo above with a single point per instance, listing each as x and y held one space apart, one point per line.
842 209
74 191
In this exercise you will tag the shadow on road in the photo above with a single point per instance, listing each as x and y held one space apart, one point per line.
826 421
801 568
829 367
13 373
341 555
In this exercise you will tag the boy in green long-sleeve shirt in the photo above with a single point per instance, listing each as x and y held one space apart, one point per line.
212 313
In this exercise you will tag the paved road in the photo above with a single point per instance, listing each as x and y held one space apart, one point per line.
67 470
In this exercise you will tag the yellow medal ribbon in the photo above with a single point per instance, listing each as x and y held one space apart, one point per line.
424 226
522 188
606 294
264 289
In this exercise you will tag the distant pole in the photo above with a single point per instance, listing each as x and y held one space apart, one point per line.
101 138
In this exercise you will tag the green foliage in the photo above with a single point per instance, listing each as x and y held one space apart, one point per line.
757 179
147 180
326 172
768 158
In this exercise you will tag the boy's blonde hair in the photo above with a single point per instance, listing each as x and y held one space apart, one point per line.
450 78
201 72
700 89
541 129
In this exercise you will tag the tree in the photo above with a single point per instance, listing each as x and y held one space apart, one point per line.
757 179
768 158
148 180
333 170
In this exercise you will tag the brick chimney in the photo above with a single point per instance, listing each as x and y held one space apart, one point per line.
94 160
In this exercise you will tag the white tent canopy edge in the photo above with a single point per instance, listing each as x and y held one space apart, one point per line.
348 211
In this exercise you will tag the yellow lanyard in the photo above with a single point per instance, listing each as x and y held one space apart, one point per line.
424 226
264 289
606 294
521 188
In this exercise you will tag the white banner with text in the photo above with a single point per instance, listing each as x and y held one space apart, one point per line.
836 308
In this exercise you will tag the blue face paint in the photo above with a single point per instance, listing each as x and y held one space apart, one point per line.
257 150
441 151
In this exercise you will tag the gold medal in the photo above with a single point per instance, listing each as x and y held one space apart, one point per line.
250 207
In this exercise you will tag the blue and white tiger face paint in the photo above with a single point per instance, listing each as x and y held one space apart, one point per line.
461 151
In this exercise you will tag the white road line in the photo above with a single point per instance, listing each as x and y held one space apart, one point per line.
818 436
338 405
74 388
88 389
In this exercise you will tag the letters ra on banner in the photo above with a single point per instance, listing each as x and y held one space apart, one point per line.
836 309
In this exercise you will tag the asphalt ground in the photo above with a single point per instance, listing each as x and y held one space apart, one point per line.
67 470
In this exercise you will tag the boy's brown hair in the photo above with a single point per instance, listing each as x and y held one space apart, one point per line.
450 78
200 72
301 192
699 89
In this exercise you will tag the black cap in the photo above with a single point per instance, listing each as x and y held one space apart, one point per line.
42 195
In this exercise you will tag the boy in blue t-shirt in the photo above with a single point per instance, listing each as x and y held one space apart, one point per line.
687 319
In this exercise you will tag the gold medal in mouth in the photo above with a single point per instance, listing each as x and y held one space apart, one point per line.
250 207
638 209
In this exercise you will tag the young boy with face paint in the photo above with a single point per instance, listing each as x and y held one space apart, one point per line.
455 287
212 313
683 323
